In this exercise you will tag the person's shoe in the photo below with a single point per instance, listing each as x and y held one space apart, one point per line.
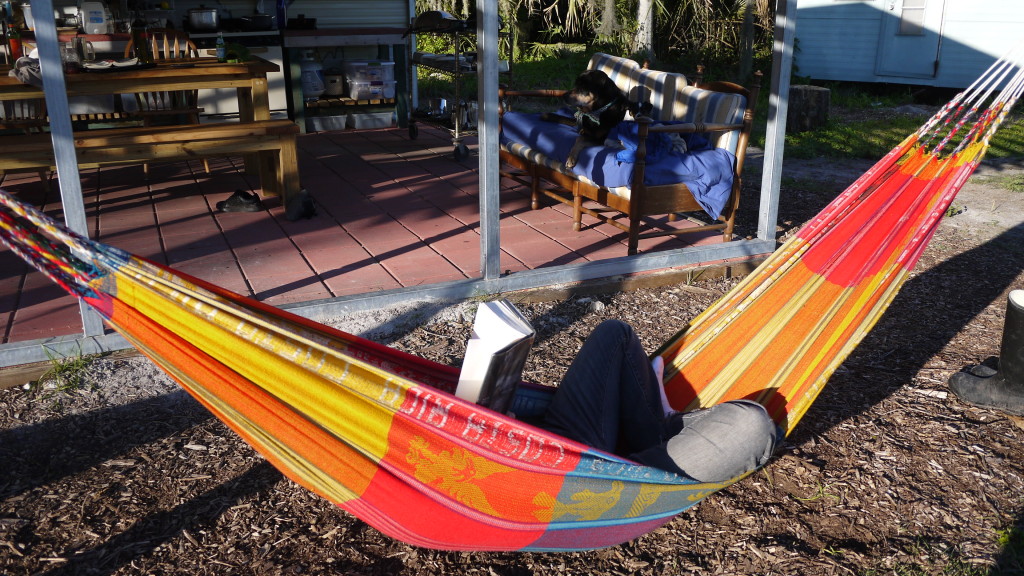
241 201
300 206
1002 388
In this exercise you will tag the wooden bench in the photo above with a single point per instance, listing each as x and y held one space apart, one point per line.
272 140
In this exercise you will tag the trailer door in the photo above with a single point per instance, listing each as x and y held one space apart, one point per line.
910 38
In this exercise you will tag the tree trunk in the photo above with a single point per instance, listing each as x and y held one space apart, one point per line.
808 108
645 27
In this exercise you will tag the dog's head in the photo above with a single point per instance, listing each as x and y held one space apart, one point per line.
599 104
592 91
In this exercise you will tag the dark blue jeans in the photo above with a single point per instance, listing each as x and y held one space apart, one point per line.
610 399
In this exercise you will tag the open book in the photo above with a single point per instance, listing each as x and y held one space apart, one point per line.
495 355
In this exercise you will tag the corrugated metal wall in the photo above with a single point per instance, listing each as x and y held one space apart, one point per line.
354 13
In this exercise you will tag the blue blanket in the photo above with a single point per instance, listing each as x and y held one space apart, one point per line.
706 171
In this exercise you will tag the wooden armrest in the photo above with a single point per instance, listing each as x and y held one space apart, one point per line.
534 93
694 127
646 127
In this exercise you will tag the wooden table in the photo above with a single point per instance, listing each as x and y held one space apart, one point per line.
248 78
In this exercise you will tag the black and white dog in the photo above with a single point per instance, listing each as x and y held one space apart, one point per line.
599 106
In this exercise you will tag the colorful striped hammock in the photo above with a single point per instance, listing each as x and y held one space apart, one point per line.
379 433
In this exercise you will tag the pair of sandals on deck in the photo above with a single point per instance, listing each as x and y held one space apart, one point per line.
300 206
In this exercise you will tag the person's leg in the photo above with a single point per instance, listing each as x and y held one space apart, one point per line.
609 387
724 441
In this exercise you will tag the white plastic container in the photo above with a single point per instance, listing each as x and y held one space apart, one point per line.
26 11
367 120
93 18
312 76
371 89
369 71
326 123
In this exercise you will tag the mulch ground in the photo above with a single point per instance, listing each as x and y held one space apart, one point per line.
888 473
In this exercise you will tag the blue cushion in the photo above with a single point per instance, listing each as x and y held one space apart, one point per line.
706 171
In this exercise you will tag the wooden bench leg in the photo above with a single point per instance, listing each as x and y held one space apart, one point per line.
577 209
279 170
534 189
269 171
633 242
289 173
730 223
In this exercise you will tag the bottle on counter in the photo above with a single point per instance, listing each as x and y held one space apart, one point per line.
222 49
13 42
68 56
140 39
312 76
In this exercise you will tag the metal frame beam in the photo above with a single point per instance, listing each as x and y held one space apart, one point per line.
29 352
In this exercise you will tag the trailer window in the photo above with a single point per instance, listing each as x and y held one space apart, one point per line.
912 18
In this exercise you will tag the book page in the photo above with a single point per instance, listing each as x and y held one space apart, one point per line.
497 328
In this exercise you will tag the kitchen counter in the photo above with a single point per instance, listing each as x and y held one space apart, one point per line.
106 45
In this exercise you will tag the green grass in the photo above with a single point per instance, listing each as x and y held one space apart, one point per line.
65 375
549 66
867 139
1013 183
556 65
873 138
1011 551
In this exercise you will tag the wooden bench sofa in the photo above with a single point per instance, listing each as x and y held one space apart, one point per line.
272 140
719 114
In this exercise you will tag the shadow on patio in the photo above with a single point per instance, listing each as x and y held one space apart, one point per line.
392 213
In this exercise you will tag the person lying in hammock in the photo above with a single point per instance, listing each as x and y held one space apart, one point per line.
612 399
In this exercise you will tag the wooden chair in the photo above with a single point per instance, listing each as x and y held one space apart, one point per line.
165 45
29 116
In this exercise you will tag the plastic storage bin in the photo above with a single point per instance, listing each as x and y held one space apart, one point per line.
364 120
372 71
326 123
371 89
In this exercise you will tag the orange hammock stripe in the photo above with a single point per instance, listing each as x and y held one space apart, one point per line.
379 432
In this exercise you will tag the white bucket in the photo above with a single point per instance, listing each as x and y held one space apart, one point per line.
312 77
26 11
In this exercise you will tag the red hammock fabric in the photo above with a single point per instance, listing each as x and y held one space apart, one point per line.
379 433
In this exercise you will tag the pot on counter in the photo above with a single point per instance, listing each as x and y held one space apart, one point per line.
257 22
203 18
